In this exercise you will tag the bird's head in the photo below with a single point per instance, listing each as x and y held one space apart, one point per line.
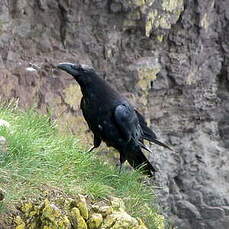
76 70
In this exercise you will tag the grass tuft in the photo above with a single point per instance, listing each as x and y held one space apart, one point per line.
38 156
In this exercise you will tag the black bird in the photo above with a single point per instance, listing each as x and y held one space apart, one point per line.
112 118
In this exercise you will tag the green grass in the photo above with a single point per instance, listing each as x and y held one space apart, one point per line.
39 157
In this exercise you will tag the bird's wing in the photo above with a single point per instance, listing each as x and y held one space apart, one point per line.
127 122
148 134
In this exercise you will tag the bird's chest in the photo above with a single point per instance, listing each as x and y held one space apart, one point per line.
96 113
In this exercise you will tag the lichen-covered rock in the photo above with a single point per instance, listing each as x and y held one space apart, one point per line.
147 69
50 211
103 210
51 216
20 224
95 221
82 206
77 220
119 219
117 204
65 213
151 17
46 214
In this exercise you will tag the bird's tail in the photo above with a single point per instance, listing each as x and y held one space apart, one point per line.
148 134
139 160
158 142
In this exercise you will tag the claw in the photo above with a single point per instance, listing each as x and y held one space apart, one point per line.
91 149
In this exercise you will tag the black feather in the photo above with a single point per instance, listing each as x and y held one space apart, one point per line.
112 118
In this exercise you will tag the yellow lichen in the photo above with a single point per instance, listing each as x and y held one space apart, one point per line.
151 17
69 214
119 220
82 206
163 22
104 210
146 75
50 211
27 208
160 38
139 2
171 5
172 10
159 221
20 224
117 204
77 219
95 221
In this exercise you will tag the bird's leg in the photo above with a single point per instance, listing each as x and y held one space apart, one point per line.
97 142
91 149
121 161
119 166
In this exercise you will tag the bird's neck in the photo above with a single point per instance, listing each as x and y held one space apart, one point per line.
97 87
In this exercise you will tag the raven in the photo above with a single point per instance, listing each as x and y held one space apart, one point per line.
112 118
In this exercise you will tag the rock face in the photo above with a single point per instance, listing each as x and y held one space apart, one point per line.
170 57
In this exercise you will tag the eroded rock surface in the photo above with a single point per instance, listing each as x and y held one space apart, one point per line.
169 57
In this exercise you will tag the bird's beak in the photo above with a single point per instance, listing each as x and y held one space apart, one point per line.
70 68
65 66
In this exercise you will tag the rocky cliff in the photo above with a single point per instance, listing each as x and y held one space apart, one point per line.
170 57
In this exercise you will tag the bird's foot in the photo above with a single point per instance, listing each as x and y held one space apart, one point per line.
119 166
91 149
